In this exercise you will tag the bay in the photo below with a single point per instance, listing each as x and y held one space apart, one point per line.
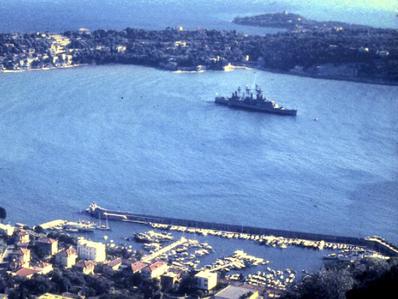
152 141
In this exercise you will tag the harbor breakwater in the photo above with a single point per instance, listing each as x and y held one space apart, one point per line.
374 243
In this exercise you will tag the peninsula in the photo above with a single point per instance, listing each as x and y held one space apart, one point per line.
319 49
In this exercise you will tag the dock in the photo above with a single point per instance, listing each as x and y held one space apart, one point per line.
53 224
372 243
149 258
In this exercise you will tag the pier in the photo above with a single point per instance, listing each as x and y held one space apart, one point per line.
148 258
373 243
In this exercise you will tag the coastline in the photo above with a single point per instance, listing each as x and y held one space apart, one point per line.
229 68
42 69
330 77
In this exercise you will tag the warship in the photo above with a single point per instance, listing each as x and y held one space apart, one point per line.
253 101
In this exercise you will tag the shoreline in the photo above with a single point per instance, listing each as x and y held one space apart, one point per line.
42 69
233 68
331 77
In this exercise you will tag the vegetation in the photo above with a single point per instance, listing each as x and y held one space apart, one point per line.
327 49
293 21
367 278
106 285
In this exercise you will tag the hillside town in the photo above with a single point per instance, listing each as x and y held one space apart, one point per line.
48 263
61 259
327 50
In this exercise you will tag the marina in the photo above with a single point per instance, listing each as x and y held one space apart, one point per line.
270 237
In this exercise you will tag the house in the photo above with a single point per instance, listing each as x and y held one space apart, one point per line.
67 257
206 280
237 292
47 246
43 268
7 229
91 250
114 264
87 267
121 48
26 272
155 270
22 237
137 267
24 257
169 280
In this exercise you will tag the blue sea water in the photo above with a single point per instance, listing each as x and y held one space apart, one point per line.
62 15
68 138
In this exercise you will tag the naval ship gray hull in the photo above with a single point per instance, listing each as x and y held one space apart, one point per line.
251 106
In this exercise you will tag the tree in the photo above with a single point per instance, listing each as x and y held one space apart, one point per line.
327 284
3 214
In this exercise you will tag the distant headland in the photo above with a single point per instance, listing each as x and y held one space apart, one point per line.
332 50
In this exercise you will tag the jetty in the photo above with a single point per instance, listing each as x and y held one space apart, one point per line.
149 258
372 243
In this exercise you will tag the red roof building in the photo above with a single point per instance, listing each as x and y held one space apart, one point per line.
137 267
155 270
26 272
114 264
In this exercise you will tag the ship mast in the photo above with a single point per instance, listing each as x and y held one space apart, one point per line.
259 93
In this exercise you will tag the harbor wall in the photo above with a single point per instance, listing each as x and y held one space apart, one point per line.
380 246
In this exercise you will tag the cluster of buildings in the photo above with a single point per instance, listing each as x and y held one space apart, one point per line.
35 51
26 253
357 51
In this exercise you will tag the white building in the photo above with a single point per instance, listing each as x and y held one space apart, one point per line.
90 250
67 257
206 280
155 270
7 229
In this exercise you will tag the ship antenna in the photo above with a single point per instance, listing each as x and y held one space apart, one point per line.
254 81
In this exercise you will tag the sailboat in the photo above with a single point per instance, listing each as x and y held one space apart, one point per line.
102 226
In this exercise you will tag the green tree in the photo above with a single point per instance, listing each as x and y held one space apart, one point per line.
327 284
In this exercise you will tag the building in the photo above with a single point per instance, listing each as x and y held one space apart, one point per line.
24 257
169 280
22 237
43 268
47 246
90 250
137 267
235 292
7 229
67 257
87 267
206 280
155 270
26 272
114 264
